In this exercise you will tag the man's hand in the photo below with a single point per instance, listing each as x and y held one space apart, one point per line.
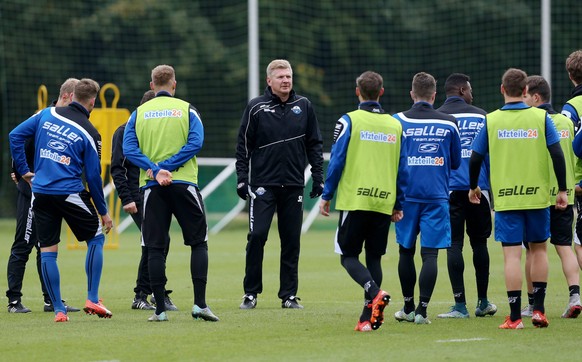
107 223
475 195
242 189
562 200
324 207
130 208
13 177
28 177
316 190
164 177
397 215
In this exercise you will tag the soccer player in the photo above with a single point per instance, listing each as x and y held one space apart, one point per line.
163 137
431 148
278 136
573 109
125 175
517 138
539 95
25 238
67 146
477 217
364 139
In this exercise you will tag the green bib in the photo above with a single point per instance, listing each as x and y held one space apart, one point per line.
565 128
368 181
162 126
519 159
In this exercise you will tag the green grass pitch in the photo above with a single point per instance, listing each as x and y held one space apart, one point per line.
323 331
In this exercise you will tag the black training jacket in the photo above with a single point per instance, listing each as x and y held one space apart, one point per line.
124 173
276 140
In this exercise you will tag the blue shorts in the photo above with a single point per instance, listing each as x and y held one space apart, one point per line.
431 220
516 226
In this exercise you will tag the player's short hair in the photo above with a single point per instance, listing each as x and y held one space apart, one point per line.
574 66
370 84
278 64
455 82
536 84
148 95
514 82
423 85
162 75
85 90
68 86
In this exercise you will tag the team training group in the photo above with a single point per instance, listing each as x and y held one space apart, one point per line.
434 172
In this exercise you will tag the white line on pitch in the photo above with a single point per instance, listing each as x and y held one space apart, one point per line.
461 340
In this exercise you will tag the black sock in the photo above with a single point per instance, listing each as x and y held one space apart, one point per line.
157 271
574 289
409 304
367 311
530 298
407 276
361 275
514 299
539 292
422 305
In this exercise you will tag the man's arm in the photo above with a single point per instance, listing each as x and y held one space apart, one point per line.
314 149
18 137
191 148
92 166
337 160
244 148
118 169
131 148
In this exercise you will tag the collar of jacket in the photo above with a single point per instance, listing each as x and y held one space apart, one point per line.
548 108
422 104
454 99
79 107
577 91
269 93
371 106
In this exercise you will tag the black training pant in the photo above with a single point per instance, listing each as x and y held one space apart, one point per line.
24 241
288 202
477 218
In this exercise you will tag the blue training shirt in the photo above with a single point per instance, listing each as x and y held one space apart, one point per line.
431 148
66 144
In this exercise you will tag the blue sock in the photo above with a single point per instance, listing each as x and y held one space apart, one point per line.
94 266
52 279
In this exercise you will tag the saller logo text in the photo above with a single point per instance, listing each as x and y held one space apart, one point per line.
372 192
518 190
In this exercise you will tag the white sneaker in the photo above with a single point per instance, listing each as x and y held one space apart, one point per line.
527 311
574 307
401 316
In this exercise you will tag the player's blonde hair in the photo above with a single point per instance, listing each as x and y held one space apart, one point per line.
278 64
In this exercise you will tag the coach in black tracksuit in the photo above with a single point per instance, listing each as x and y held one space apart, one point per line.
279 134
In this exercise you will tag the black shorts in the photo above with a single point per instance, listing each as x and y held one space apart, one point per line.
561 225
77 210
356 227
181 200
